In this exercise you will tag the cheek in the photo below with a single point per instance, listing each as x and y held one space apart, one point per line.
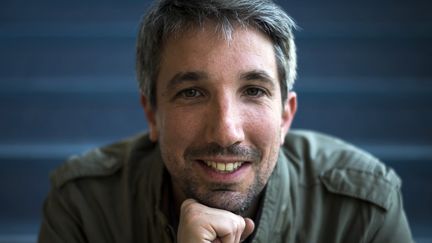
264 132
263 127
177 130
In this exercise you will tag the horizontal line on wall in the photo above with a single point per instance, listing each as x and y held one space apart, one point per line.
128 29
45 151
400 152
61 151
18 238
69 84
128 84
115 29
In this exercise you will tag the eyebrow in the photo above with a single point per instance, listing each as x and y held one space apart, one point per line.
190 76
258 75
194 76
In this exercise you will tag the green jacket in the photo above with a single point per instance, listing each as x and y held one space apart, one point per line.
322 190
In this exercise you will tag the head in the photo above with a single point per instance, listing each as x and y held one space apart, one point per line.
167 18
215 79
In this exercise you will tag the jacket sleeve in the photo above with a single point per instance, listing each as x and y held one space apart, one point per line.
59 223
394 227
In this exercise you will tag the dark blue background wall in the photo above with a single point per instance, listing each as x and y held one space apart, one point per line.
67 84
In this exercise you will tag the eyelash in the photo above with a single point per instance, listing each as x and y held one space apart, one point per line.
260 91
183 93
198 93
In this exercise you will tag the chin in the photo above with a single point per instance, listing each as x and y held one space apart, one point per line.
234 202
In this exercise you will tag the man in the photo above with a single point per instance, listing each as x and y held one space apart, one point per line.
217 164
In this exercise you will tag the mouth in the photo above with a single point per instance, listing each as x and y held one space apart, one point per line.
223 167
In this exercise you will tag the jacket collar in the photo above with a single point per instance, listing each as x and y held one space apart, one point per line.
277 208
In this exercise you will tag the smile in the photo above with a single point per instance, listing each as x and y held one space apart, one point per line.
223 167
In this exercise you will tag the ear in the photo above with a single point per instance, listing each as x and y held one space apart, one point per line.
151 118
288 113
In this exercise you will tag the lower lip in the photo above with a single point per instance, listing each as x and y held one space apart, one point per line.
225 177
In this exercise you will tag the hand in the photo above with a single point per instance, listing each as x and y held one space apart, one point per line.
199 224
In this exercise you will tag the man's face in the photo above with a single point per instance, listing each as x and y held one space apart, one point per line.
219 119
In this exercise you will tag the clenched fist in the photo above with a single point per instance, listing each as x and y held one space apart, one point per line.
199 224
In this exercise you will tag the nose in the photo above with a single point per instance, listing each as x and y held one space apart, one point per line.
224 122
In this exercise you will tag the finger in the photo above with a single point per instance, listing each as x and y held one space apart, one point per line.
249 228
241 225
187 206
227 226
198 221
188 202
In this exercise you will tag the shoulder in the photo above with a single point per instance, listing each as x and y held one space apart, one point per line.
341 168
99 162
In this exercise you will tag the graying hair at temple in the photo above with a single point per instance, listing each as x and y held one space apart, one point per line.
168 17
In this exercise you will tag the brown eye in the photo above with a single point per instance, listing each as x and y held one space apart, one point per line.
254 92
190 93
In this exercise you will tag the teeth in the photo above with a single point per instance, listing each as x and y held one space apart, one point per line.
224 167
229 167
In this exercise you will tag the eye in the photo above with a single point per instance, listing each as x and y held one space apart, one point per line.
190 93
254 92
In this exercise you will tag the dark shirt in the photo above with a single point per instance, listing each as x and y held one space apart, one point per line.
322 190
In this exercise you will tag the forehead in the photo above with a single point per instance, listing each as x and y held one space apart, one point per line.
212 34
205 49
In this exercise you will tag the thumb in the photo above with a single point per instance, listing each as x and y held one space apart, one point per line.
249 228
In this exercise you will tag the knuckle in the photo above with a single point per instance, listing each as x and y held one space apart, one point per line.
236 224
187 203
188 207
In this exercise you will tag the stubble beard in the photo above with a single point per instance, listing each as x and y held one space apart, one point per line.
221 196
